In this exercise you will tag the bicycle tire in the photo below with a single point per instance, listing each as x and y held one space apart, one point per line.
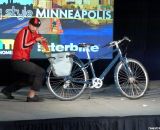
74 89
131 87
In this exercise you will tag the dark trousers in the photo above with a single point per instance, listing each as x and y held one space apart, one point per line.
33 75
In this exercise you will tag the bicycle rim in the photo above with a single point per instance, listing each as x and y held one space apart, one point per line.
67 89
132 86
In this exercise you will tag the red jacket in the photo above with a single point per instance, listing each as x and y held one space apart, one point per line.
23 44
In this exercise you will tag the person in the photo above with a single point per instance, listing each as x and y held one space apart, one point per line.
24 41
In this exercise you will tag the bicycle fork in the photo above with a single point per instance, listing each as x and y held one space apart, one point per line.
131 78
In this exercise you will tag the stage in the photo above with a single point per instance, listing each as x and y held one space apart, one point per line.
106 101
98 109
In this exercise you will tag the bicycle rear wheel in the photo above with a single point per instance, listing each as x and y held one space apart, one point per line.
68 87
132 86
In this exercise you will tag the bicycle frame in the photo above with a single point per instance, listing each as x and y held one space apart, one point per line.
108 67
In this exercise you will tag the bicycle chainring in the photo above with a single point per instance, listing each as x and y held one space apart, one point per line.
97 83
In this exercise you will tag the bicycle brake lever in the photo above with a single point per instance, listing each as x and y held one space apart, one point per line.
110 44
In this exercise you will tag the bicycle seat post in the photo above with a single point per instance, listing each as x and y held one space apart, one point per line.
89 58
87 51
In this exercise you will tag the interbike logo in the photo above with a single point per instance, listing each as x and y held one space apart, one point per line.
6 46
70 47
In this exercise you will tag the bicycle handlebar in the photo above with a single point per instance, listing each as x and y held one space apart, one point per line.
115 43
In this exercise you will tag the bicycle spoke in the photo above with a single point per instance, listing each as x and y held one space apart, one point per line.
133 85
66 88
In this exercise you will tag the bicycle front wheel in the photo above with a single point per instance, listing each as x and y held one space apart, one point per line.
132 85
68 87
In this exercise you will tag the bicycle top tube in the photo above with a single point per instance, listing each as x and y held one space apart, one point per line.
114 60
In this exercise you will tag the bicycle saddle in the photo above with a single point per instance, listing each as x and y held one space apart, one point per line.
85 45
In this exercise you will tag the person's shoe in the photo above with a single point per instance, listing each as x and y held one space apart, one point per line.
34 99
7 94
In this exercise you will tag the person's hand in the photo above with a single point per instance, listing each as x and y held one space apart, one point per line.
40 39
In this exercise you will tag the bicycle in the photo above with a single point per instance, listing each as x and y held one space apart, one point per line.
130 76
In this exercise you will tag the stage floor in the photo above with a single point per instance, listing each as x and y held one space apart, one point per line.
106 101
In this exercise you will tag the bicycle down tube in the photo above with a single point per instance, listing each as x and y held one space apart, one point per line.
107 69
